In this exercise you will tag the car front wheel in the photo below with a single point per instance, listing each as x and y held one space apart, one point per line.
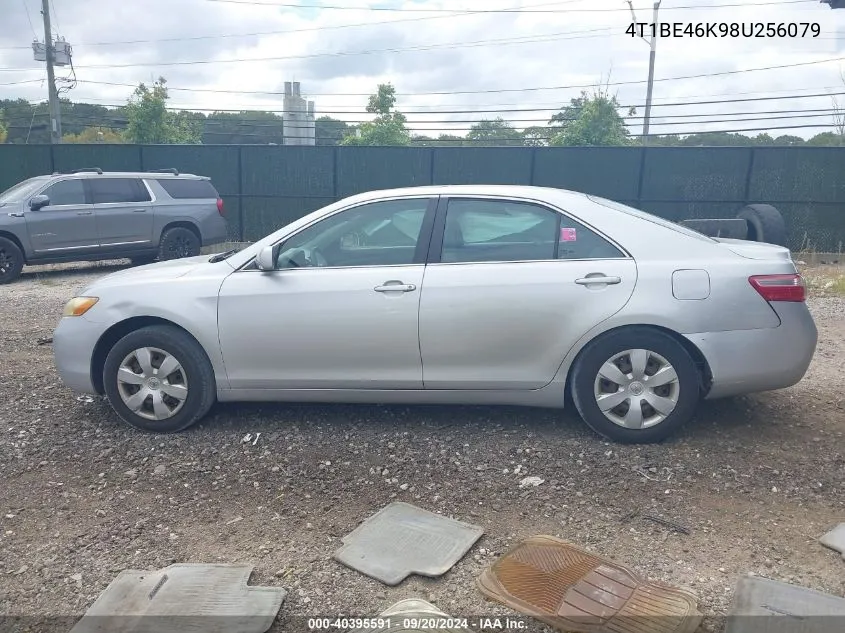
11 261
159 379
635 385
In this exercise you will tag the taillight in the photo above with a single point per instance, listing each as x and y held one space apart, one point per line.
220 208
780 287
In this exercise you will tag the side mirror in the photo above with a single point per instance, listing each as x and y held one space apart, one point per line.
37 202
266 259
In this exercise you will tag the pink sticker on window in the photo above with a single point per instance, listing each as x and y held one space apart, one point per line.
568 235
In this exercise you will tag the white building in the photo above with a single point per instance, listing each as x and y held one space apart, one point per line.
298 116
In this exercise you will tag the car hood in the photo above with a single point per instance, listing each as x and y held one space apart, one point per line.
159 271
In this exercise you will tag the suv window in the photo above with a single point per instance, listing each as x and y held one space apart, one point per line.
376 234
182 188
66 192
509 231
109 190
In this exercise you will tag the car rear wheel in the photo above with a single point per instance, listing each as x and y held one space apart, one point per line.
635 385
178 242
159 379
11 261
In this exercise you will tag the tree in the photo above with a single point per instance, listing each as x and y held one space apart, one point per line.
3 129
591 120
387 128
95 134
330 131
149 121
450 140
495 132
537 135
789 139
247 128
827 139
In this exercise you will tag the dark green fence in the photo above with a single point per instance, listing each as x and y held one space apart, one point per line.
267 186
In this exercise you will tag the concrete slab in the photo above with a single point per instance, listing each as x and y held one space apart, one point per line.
835 539
769 606
407 616
401 539
183 598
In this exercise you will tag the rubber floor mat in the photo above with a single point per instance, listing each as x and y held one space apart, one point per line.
769 606
573 590
184 598
414 616
401 539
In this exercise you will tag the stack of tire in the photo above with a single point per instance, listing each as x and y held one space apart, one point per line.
754 222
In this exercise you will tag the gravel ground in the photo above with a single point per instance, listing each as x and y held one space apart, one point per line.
754 480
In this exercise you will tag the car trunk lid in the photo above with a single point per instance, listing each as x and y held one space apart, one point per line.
756 250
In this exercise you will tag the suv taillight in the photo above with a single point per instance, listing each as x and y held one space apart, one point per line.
780 287
220 208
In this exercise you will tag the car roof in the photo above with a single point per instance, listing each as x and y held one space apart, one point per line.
528 192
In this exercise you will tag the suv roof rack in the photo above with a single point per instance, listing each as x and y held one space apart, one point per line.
83 170
169 170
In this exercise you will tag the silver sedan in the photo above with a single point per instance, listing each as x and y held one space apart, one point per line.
459 294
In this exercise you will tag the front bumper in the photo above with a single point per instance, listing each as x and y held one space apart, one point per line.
748 361
74 340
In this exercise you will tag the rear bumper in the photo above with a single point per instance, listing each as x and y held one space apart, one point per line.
748 361
214 231
74 340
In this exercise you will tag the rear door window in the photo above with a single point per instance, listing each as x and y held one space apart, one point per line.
499 230
183 188
111 190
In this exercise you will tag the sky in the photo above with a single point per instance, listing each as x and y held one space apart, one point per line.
477 57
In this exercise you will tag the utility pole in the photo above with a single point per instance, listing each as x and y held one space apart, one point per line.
652 42
55 108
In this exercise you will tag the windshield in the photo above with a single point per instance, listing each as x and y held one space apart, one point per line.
22 190
610 204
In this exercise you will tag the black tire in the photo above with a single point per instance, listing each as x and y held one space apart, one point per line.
199 376
178 242
765 224
11 261
595 354
143 260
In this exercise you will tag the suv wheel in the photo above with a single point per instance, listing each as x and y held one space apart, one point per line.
178 242
11 261
635 385
159 379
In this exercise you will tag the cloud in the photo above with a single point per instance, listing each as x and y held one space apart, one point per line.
585 48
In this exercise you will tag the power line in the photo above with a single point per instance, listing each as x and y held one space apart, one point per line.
420 10
55 16
29 19
288 31
461 92
525 39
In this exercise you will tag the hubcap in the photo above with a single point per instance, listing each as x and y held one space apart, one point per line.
637 389
6 261
181 247
152 383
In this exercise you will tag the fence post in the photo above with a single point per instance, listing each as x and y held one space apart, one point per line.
140 158
533 164
241 209
643 150
335 151
747 195
52 159
431 166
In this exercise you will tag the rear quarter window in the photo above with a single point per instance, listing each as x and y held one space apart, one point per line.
181 189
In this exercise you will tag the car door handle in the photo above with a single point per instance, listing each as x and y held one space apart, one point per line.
139 210
589 281
395 286
84 213
16 215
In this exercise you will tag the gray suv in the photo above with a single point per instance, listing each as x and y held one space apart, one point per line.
89 215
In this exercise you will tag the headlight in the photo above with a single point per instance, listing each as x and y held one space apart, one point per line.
79 306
